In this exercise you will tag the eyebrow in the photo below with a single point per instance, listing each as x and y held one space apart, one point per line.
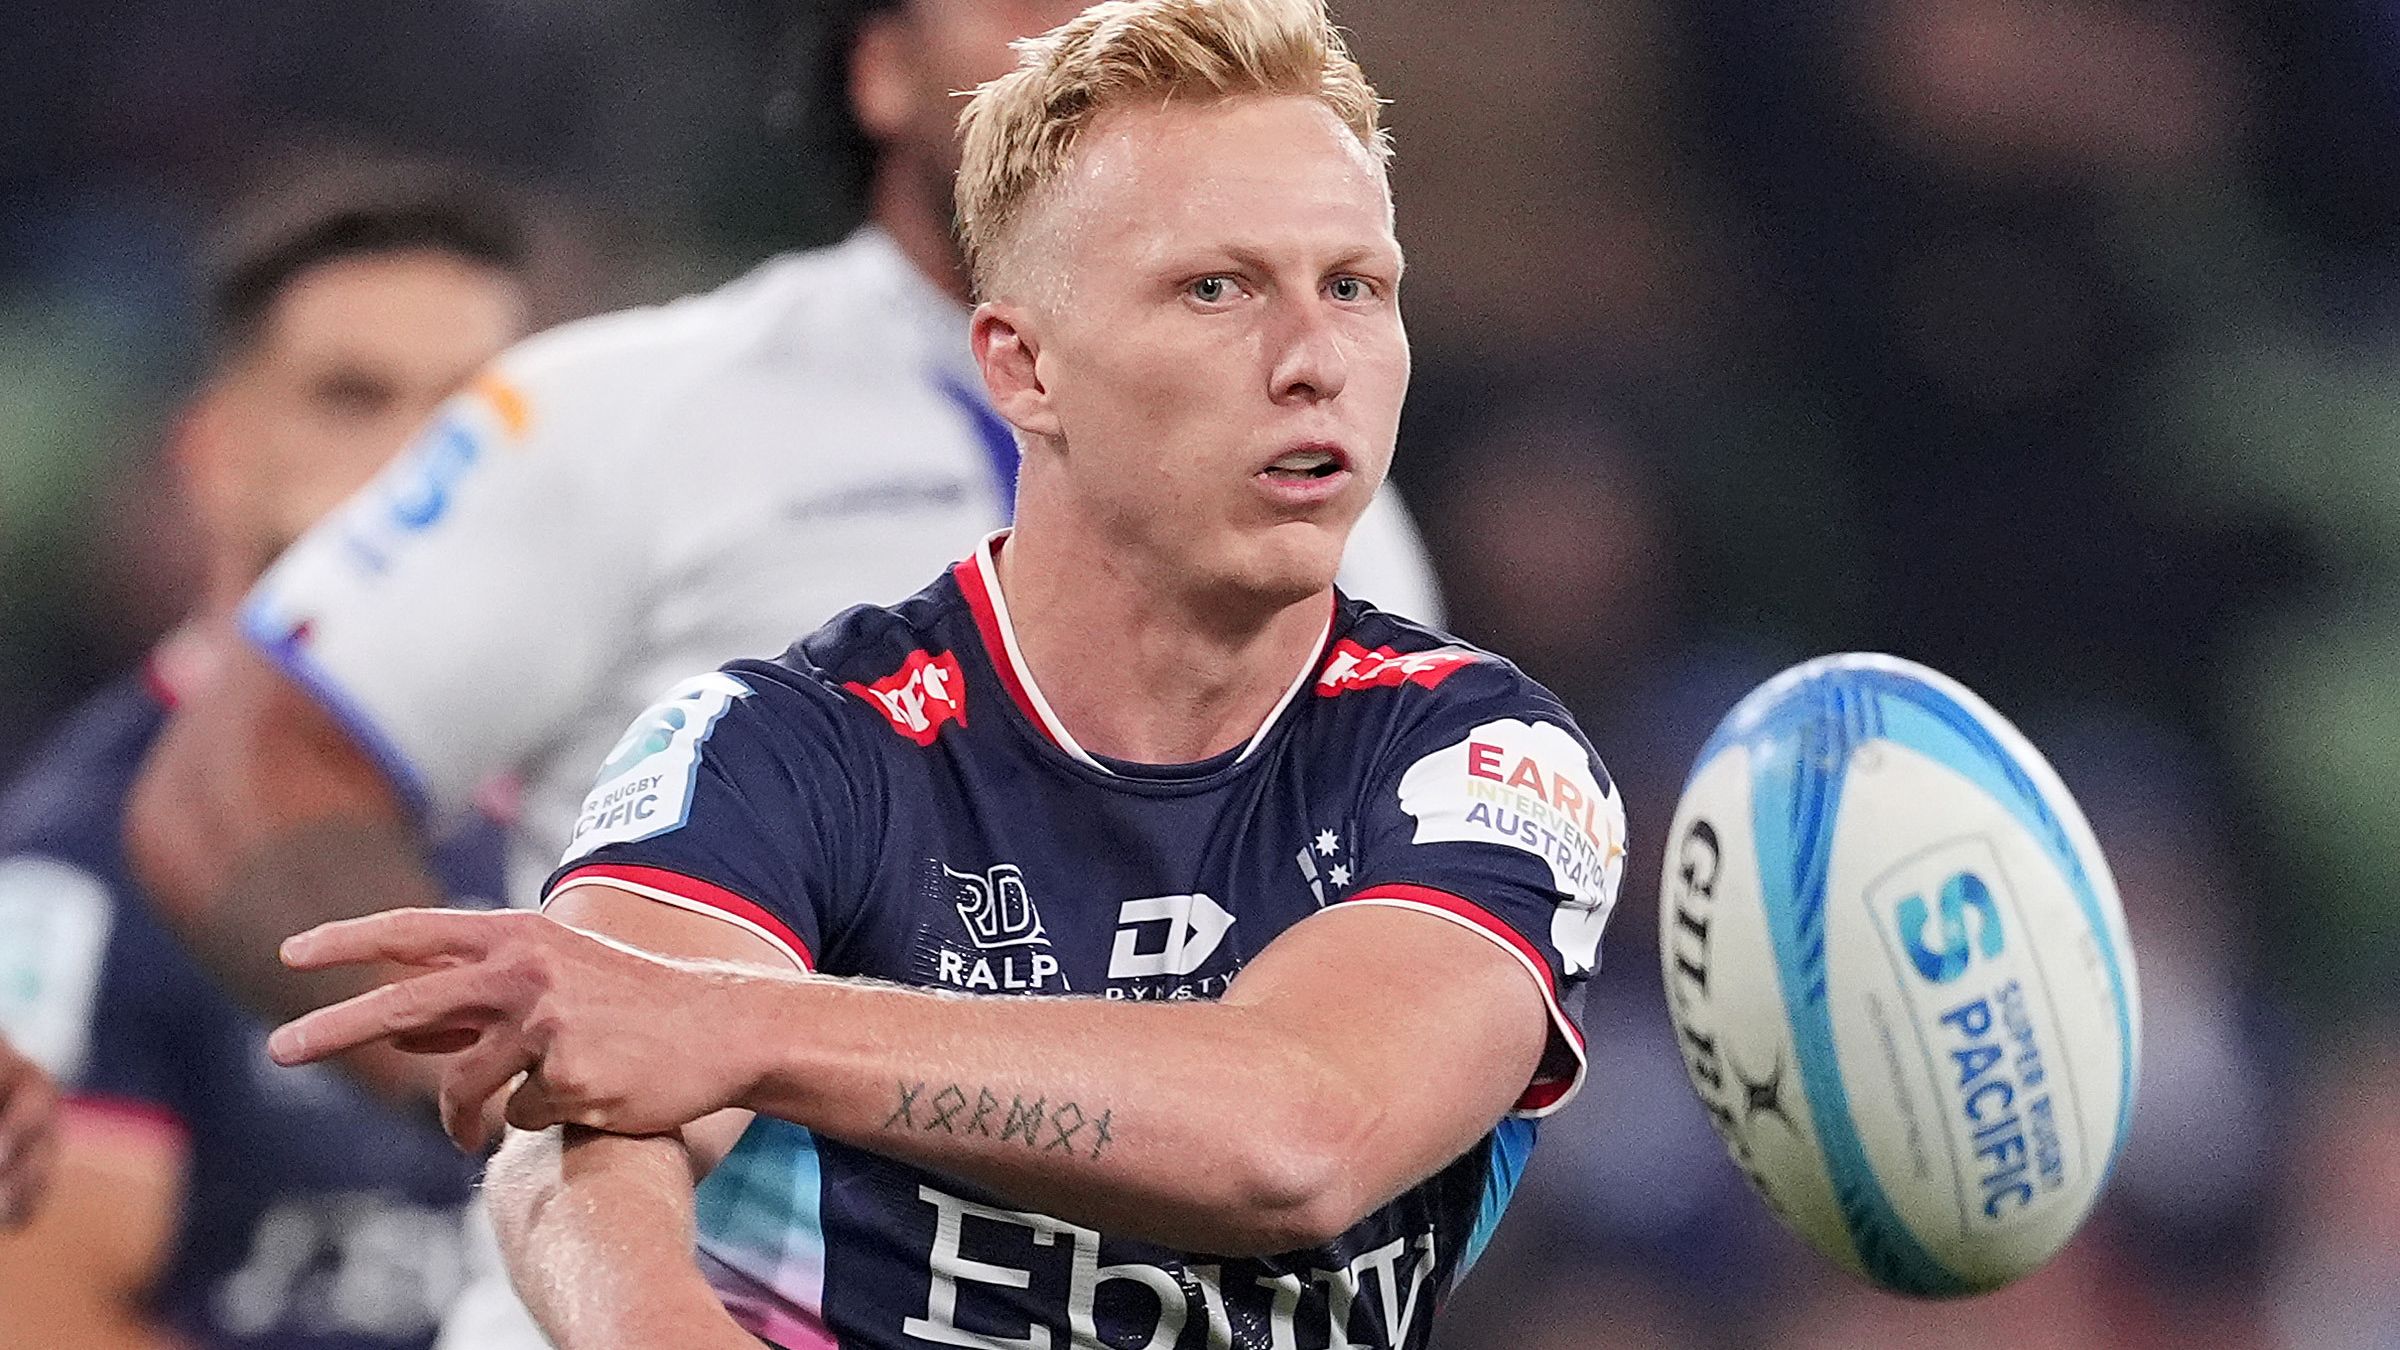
1253 258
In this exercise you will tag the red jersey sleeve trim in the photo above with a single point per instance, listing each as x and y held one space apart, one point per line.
1549 1090
695 895
127 1113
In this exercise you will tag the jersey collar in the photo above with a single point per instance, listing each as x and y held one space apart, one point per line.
979 581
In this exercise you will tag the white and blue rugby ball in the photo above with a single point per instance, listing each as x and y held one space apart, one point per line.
1900 975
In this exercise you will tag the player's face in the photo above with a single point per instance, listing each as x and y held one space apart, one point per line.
351 360
1214 296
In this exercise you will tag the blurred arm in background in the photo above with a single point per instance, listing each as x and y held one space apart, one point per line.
258 816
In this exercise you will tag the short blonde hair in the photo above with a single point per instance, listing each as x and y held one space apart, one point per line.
1021 130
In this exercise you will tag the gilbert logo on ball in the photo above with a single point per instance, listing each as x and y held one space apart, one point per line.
1900 976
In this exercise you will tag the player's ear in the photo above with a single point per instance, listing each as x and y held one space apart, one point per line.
1010 357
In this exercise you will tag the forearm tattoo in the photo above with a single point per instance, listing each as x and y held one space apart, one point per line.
1038 1125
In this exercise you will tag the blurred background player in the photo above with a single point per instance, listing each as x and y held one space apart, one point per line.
28 1109
205 1198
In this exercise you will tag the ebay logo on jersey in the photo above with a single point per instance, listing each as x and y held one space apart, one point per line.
925 693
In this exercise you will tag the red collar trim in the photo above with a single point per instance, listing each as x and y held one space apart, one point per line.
978 581
969 574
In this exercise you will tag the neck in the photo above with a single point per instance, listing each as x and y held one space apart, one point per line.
222 590
235 562
1139 669
918 223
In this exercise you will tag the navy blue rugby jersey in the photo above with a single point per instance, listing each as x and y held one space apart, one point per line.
314 1217
893 799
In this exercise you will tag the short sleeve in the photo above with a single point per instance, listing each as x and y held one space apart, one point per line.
456 610
1495 814
56 924
97 992
731 797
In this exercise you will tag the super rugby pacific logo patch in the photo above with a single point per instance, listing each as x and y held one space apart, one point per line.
645 787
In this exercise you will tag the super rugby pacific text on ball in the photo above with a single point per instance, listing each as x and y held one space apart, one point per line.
1900 975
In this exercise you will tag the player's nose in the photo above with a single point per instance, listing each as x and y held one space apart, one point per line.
1312 361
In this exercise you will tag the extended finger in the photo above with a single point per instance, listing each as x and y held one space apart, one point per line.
413 937
435 1000
474 1078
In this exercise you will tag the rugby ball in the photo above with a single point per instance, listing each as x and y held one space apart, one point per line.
1899 975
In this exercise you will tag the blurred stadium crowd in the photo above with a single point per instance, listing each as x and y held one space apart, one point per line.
2055 343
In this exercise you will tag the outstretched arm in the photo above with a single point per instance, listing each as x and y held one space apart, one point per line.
1332 1076
598 1229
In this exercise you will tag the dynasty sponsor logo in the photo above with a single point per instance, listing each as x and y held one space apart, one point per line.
1354 667
1162 942
921 697
978 1296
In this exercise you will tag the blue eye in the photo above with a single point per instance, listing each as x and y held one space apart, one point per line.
1212 290
1350 290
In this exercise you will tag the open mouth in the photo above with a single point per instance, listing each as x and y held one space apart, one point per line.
1303 465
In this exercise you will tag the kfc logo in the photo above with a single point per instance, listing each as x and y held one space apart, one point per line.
920 697
1354 667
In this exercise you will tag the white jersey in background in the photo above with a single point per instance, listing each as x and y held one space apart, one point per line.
631 498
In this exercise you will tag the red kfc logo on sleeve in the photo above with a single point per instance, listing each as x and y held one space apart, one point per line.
1354 667
924 693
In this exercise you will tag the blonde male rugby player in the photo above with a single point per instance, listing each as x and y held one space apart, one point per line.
1188 940
631 499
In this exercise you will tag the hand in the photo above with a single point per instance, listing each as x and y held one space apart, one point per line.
605 1036
28 1143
